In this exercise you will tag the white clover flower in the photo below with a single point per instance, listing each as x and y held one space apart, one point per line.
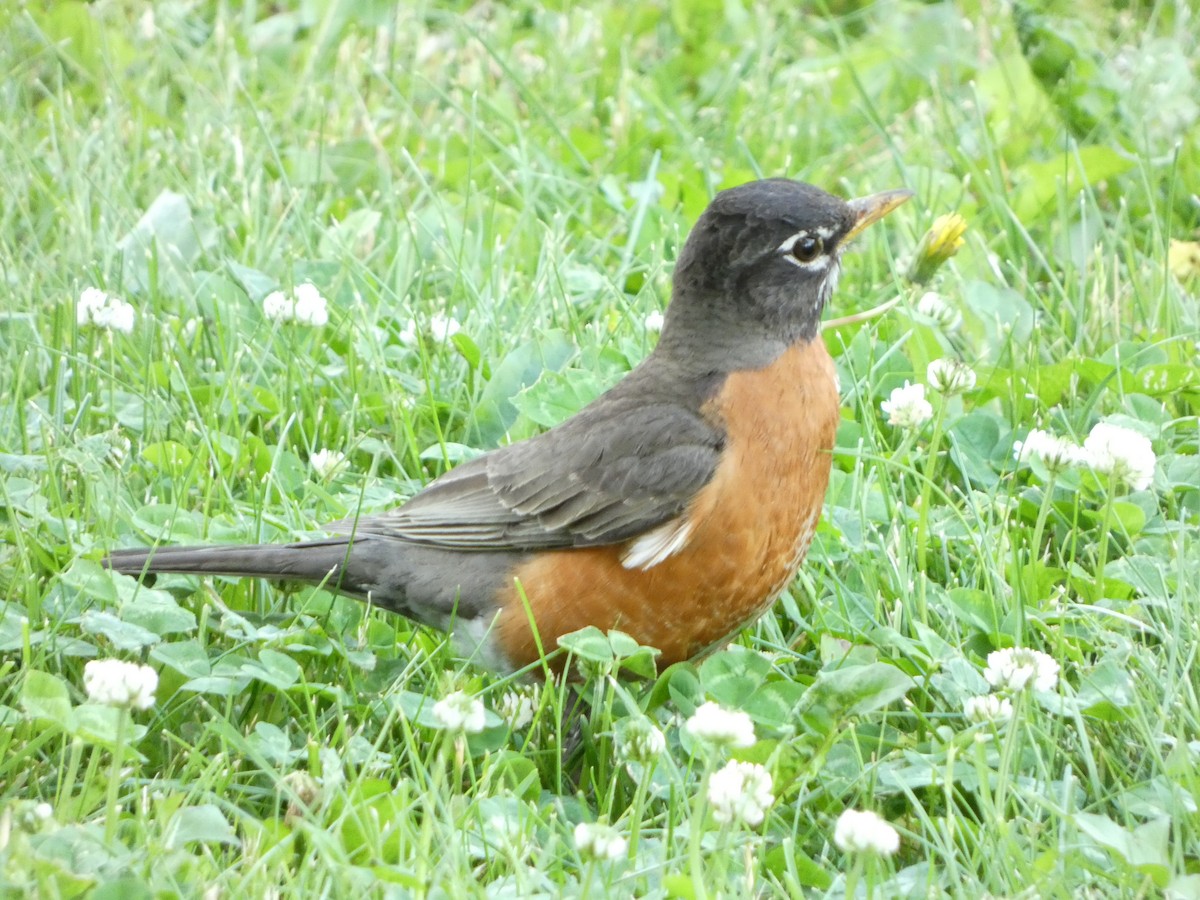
115 682
640 740
43 811
408 335
654 322
1055 453
987 708
147 29
442 328
326 462
907 407
306 306
865 832
518 706
932 305
740 791
1121 453
507 835
599 841
310 307
721 727
949 376
90 301
460 712
104 311
1015 668
279 307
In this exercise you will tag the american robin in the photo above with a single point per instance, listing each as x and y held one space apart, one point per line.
675 507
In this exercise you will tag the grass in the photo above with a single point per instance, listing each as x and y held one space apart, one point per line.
531 171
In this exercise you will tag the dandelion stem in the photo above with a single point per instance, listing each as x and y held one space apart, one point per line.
863 316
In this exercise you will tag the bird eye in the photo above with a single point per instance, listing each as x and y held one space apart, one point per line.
806 249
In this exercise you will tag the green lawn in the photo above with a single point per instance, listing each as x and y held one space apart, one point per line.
490 198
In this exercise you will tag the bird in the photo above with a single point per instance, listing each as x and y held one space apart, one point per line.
675 507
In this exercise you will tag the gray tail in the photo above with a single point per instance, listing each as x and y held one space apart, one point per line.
314 561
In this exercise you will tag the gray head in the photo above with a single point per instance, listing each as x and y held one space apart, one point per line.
760 265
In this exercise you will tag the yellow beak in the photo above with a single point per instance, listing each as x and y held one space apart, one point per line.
868 210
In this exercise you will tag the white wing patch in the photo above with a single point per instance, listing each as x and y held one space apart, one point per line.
658 545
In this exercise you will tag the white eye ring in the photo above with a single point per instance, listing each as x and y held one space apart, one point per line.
806 250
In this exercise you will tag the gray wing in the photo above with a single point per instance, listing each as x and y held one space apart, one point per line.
613 471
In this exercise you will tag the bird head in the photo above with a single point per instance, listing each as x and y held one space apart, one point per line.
762 262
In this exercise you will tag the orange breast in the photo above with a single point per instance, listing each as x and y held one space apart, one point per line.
750 528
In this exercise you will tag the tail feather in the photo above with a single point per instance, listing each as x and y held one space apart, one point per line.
314 561
431 585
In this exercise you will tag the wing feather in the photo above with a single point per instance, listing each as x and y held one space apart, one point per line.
611 473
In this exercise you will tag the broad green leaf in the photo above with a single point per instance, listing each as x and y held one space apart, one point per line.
856 690
451 452
1166 380
615 648
787 856
256 284
45 696
589 644
274 668
164 243
1130 519
976 608
973 442
202 824
1107 691
515 774
88 583
221 299
1153 577
19 462
1184 887
158 612
1144 849
495 412
355 234
185 657
775 703
98 724
680 887
170 455
126 888
1184 472
1039 183
273 743
557 396
122 635
733 675
1006 316
682 687
218 685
